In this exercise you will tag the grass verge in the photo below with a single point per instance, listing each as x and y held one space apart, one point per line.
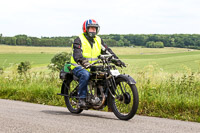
166 95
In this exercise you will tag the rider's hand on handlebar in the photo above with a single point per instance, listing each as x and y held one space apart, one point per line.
85 64
119 63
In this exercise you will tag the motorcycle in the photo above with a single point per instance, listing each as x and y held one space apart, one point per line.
106 87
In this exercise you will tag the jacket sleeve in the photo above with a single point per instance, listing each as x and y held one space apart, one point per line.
106 50
77 51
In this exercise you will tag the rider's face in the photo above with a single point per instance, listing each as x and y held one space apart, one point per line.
92 29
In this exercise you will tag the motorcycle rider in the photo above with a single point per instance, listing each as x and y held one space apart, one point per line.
86 49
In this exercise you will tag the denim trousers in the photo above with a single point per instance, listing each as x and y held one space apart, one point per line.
83 76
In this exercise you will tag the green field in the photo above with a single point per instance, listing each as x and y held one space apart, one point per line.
38 56
168 79
176 62
168 59
35 59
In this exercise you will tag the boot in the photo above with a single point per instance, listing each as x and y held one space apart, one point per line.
82 103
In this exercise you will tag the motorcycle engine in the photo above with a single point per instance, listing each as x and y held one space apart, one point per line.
95 100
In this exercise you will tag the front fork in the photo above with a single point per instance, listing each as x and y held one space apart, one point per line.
111 85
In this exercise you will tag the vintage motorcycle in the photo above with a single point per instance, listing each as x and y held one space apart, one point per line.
106 87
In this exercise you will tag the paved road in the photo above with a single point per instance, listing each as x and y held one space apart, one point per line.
22 117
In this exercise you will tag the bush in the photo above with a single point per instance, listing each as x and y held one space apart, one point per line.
159 45
152 44
58 61
23 67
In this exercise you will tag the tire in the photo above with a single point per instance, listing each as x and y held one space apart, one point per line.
68 88
128 99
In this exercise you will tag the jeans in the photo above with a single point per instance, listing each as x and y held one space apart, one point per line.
83 76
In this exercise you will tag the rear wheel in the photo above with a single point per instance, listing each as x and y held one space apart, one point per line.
126 100
71 101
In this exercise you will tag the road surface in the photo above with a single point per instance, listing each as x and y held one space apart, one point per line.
22 117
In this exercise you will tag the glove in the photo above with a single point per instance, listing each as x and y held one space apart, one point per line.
85 64
119 63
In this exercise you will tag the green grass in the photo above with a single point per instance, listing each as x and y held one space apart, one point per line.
35 88
168 59
9 59
31 50
177 62
159 56
174 96
168 80
167 95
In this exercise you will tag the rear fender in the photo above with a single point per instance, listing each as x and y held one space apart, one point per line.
67 77
63 86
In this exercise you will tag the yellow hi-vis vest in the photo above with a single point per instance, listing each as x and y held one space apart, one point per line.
91 54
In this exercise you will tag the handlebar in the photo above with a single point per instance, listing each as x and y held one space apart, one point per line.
107 58
103 57
92 64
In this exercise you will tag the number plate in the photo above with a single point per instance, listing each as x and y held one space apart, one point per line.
115 72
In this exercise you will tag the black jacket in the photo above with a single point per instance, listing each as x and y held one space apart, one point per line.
77 49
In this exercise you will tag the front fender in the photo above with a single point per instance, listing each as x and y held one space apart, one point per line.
127 77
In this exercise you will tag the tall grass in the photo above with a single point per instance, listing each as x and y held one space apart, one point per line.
168 95
161 94
37 87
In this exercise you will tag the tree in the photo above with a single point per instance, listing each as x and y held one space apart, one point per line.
29 41
116 40
120 43
159 45
150 44
59 60
172 42
126 42
116 37
110 42
35 41
21 39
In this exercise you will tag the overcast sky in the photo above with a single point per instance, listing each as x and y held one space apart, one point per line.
65 17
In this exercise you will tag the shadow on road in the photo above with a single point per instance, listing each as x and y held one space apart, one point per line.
52 112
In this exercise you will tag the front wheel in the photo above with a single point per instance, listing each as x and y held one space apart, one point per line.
126 100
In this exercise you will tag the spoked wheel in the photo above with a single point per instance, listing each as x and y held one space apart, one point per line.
71 101
126 100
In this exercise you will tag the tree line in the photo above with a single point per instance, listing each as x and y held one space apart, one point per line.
113 40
